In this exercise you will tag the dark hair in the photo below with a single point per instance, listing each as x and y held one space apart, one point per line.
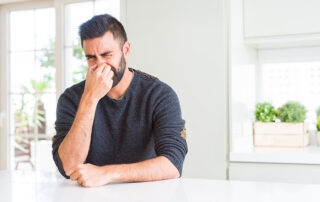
100 24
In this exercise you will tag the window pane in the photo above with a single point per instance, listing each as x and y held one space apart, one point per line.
22 112
22 128
282 82
45 28
76 65
44 72
21 71
76 14
47 107
23 152
22 30
33 119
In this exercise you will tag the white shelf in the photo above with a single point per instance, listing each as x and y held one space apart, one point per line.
249 153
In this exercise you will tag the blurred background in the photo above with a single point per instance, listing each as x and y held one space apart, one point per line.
233 64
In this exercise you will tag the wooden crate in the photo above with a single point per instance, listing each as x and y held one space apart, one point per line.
280 134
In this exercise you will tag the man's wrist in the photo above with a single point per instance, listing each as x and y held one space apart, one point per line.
112 173
88 99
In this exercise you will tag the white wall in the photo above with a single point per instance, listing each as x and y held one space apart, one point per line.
183 42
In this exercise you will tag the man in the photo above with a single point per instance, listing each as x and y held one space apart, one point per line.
120 124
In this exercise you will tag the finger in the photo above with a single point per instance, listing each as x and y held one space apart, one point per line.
110 82
100 68
75 176
81 181
110 75
106 69
74 169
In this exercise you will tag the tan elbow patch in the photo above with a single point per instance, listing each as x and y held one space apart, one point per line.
183 133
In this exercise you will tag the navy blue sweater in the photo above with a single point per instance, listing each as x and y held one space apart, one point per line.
145 123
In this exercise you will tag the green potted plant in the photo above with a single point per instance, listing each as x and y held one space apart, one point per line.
283 127
265 112
292 112
317 132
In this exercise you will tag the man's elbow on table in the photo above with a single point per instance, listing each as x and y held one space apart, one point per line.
67 163
171 170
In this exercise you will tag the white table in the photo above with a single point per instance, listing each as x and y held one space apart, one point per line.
46 186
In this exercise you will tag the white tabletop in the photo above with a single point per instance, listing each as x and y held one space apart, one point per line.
45 187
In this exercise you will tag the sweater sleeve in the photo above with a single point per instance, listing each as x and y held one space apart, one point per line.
66 111
169 128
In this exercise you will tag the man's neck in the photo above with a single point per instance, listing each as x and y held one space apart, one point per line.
121 88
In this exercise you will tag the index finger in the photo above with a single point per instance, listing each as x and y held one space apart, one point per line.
106 69
100 68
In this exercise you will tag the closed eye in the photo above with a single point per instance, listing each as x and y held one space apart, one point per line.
106 54
90 57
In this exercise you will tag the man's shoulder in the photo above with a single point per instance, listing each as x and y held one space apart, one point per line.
154 85
150 81
145 75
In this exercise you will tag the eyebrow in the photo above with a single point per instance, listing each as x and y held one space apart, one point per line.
102 54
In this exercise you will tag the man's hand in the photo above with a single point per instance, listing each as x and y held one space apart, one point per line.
158 168
98 81
88 175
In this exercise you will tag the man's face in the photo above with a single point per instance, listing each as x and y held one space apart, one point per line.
106 49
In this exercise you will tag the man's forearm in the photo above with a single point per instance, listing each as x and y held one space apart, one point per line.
75 146
159 168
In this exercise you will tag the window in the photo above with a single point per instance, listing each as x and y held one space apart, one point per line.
276 76
34 71
291 74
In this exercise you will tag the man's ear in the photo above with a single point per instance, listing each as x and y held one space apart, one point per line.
126 49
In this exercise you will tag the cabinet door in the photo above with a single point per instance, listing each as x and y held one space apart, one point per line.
267 18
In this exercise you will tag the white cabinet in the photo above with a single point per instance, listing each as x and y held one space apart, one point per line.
288 21
265 18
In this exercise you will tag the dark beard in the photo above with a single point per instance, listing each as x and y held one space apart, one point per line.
118 74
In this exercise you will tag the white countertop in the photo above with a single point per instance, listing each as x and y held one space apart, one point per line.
244 151
46 186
